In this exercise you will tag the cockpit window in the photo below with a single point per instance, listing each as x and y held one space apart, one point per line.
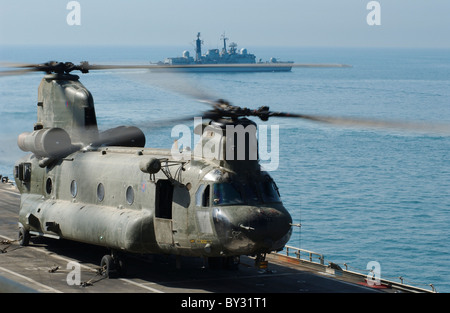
199 195
270 191
226 194
263 190
205 199
250 193
202 196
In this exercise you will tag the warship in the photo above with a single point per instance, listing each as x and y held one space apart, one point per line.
226 60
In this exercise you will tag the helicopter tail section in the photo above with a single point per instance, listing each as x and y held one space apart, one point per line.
63 102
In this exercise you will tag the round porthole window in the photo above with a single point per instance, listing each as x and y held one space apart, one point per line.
73 188
100 192
48 186
130 195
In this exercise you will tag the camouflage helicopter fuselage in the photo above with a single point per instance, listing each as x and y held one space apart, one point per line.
79 185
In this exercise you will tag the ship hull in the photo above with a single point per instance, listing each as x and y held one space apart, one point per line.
227 68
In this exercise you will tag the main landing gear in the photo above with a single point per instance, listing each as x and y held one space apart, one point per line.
261 263
24 236
113 265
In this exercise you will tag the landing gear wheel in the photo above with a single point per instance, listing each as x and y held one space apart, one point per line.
24 237
108 266
113 265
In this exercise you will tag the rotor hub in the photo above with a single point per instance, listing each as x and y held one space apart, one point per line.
63 67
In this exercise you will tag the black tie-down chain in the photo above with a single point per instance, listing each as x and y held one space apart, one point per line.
8 243
99 272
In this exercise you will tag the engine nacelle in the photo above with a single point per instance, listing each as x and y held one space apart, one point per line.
125 136
46 143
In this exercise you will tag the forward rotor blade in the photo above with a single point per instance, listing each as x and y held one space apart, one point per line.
370 123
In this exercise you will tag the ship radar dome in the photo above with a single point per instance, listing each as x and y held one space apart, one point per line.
185 54
244 51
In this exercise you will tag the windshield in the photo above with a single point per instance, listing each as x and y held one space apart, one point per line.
246 193
269 191
226 193
250 192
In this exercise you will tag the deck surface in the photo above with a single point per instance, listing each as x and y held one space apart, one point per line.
45 266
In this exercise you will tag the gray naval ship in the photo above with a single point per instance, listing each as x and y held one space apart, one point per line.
226 60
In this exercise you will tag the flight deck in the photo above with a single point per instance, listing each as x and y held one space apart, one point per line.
60 266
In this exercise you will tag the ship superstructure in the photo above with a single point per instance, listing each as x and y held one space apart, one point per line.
230 59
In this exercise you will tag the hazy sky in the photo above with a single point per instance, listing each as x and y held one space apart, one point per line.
404 23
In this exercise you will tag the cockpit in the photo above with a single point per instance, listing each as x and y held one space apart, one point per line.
244 211
255 192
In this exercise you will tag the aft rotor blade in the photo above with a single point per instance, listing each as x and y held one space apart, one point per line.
426 127
85 66
18 72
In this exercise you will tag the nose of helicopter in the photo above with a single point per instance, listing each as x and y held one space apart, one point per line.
249 230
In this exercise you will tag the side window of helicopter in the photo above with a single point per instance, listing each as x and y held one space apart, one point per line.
202 196
226 194
73 188
48 186
199 195
206 196
129 195
100 192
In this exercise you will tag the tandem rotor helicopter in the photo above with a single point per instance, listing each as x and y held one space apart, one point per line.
107 189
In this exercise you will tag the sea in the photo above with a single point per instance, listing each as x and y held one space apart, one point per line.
361 195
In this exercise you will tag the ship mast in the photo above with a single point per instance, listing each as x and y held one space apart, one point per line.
198 49
224 38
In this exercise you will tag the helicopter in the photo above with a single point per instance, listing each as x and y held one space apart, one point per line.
107 189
